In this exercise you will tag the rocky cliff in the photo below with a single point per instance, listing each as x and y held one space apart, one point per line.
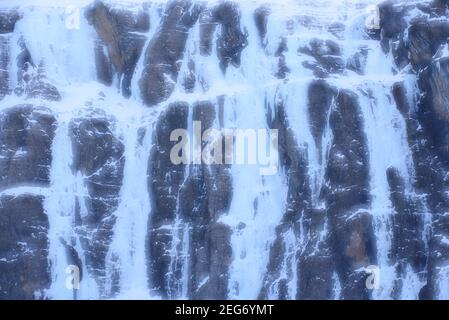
357 209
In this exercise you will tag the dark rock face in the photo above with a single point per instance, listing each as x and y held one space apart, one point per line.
25 146
310 261
8 19
165 182
25 158
283 69
439 7
425 39
415 43
320 96
327 57
316 267
118 32
294 161
430 182
432 152
408 226
348 244
261 19
345 247
34 85
347 197
205 196
392 19
232 40
24 267
427 121
32 81
316 264
357 62
188 201
434 84
98 156
166 49
103 21
393 23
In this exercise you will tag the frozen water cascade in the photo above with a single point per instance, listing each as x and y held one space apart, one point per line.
127 249
355 206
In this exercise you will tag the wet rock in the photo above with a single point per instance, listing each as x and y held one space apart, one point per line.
165 181
427 137
165 51
283 69
261 19
122 36
438 8
220 258
316 264
105 25
357 62
285 261
348 162
25 145
408 247
413 40
8 19
24 268
38 88
32 80
275 283
347 197
320 97
421 51
232 40
393 30
188 250
187 204
392 18
104 67
431 179
327 57
400 96
425 39
434 84
98 158
205 196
